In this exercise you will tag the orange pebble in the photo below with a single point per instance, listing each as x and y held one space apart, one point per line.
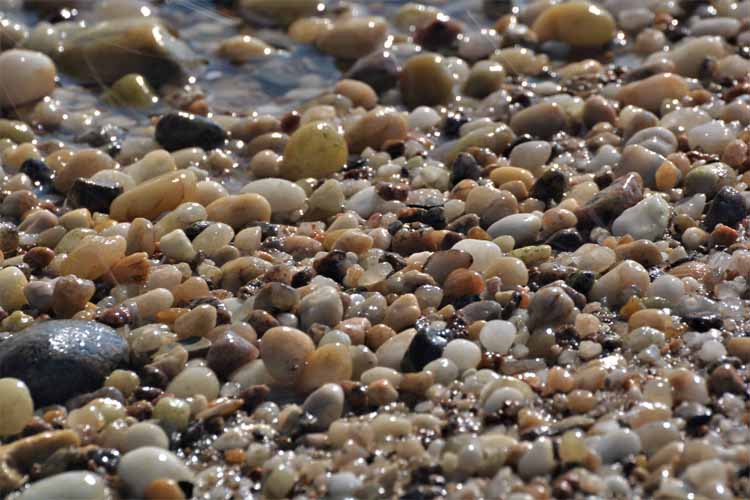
163 489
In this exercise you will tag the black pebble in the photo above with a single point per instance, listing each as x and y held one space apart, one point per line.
95 197
728 208
465 166
184 130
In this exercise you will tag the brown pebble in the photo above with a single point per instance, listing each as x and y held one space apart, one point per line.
163 489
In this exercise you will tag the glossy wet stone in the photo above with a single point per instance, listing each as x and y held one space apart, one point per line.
60 359
182 130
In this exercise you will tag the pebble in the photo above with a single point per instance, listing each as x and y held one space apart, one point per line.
497 336
425 81
283 196
16 406
61 359
708 179
193 381
610 202
538 461
138 468
316 149
326 404
150 199
354 37
144 434
728 207
551 305
483 253
541 120
322 306
524 228
12 285
239 210
711 137
284 351
328 363
94 256
229 353
650 92
628 275
27 76
376 129
403 312
464 353
579 24
176 131
73 485
617 444
647 219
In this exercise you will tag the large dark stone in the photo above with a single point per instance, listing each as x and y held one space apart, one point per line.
184 130
61 359
728 208
86 193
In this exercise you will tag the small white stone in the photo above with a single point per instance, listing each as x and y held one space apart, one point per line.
139 467
712 350
524 228
145 434
648 219
465 353
16 406
710 137
483 252
75 485
284 196
498 336
195 380
423 118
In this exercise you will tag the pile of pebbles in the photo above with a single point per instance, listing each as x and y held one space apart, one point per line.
493 252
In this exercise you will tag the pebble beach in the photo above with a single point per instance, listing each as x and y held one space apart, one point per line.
337 250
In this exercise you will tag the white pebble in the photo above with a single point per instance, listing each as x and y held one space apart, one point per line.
465 353
498 336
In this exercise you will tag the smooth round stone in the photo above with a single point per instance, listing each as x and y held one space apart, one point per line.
61 359
709 178
497 336
423 118
177 131
321 306
549 306
684 119
524 228
328 363
426 81
12 285
657 139
444 370
627 275
284 351
342 485
140 467
144 434
539 460
155 196
579 24
239 210
647 219
326 404
195 380
689 54
650 92
316 149
616 445
483 252
16 406
352 38
74 485
25 76
375 129
500 397
94 256
530 155
711 137
667 287
541 120
284 196
511 270
464 353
